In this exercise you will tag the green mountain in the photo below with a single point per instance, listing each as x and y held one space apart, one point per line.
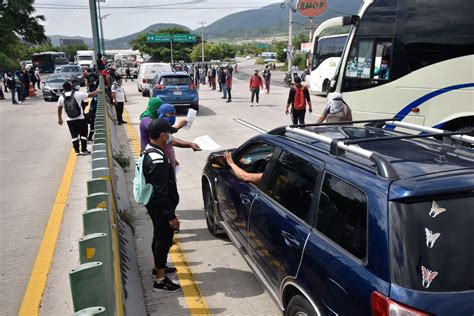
266 22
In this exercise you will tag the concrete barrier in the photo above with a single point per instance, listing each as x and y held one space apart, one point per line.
88 286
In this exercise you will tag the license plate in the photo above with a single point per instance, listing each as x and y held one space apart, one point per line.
177 92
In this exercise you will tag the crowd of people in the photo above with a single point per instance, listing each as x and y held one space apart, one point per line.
19 83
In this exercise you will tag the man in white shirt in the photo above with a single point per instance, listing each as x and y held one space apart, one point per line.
71 101
119 97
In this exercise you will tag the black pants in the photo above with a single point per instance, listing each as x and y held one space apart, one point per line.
229 96
119 109
162 238
298 116
78 130
91 122
255 93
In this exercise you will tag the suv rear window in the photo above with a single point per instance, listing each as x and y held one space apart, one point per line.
175 81
431 244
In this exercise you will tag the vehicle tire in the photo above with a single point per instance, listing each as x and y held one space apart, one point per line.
145 93
299 306
209 210
139 90
325 87
195 107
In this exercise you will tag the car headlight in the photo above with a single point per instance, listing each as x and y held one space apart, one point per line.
46 88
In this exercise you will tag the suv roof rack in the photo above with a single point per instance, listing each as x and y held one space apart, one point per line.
384 167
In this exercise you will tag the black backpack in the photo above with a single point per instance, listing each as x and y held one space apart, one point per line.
70 106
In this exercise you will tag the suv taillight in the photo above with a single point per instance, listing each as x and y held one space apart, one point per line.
160 87
192 86
383 306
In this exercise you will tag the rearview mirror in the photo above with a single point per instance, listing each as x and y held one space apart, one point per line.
218 162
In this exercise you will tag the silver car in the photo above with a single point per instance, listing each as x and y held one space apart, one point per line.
74 71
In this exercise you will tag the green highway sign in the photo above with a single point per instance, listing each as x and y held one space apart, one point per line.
262 45
165 38
157 38
184 38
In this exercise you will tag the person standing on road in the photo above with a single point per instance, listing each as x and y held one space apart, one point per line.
11 86
127 74
209 76
161 208
267 75
228 84
297 98
119 98
150 114
71 101
213 77
19 86
221 79
90 116
336 110
256 83
38 77
25 79
294 71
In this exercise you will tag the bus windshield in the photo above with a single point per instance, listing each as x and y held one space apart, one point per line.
327 47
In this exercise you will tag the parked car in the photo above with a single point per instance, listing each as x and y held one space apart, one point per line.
351 220
122 68
147 73
53 86
74 71
175 88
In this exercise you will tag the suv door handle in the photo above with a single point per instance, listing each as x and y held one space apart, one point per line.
290 240
245 199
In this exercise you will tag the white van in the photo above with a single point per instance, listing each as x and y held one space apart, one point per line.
147 73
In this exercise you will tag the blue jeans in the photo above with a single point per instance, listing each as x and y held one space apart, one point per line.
224 90
12 91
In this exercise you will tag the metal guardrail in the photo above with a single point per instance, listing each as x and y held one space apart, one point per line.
107 281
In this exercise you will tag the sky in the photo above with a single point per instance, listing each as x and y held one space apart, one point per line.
72 18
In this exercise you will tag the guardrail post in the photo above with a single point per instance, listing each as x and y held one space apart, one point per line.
96 185
97 200
96 147
96 220
100 140
100 163
88 286
91 311
99 154
97 247
100 173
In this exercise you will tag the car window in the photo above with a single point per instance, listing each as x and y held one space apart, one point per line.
430 243
255 158
292 184
175 81
342 215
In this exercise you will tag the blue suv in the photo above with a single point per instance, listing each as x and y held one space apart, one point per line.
176 88
352 220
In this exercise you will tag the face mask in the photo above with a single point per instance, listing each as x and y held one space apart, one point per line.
171 120
169 139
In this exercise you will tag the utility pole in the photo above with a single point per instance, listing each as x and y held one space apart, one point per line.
171 49
289 52
95 27
202 39
102 17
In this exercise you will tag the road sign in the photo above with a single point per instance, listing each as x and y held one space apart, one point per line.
312 7
184 38
311 25
157 38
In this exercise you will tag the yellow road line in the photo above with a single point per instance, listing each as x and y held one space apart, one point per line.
192 293
39 275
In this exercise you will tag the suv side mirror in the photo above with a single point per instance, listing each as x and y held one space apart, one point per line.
218 162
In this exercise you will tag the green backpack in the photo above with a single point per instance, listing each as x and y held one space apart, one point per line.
142 190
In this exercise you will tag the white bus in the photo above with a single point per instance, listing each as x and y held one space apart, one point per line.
326 54
411 59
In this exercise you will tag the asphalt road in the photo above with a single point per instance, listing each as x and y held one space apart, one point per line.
33 156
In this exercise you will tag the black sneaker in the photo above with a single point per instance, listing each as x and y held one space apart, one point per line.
78 153
85 152
166 286
168 271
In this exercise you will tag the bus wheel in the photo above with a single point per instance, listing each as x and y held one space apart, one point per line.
326 87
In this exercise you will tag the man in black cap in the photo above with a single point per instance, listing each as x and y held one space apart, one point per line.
158 171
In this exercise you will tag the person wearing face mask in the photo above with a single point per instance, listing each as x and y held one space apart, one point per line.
336 110
255 84
384 70
146 118
161 208
168 112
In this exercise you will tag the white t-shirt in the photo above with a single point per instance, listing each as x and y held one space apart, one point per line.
79 96
119 92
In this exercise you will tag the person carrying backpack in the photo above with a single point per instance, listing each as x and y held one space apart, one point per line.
71 102
298 98
336 110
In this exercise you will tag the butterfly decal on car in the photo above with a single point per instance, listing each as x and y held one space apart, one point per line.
428 277
431 238
436 209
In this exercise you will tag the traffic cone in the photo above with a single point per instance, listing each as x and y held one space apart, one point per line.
31 91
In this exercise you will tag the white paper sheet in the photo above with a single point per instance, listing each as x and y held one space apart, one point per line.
206 143
190 118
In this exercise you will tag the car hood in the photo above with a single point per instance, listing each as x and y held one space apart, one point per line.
54 85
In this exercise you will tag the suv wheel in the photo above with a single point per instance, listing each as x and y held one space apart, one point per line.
299 306
209 210
195 107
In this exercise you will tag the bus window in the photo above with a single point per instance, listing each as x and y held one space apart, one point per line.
360 60
382 60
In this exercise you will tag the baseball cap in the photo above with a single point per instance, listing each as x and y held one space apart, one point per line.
159 126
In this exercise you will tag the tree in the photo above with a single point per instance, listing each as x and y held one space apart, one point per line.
19 25
161 51
278 48
302 37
